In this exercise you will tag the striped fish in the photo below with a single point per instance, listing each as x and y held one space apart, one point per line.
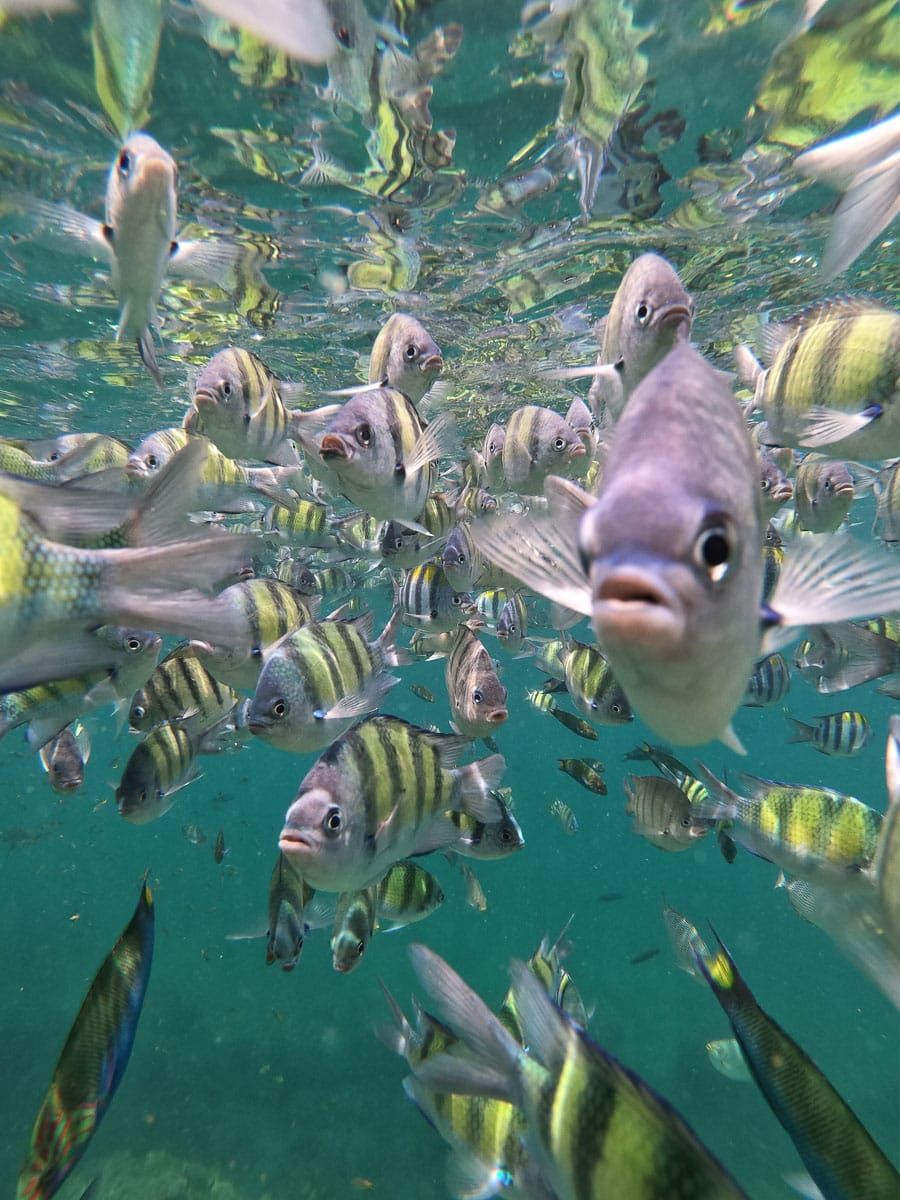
807 831
538 443
304 523
462 563
317 681
832 382
288 896
564 815
405 356
476 695
379 794
594 689
93 1059
840 1155
407 893
180 689
662 813
64 758
354 925
240 405
769 683
270 609
512 624
488 840
546 966
378 452
429 602
841 733
594 1128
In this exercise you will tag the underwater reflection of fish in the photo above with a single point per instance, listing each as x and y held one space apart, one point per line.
93 1059
667 558
843 1160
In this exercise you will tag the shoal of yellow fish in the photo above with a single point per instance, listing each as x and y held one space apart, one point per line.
257 530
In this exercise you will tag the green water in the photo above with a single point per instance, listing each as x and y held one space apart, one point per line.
271 1083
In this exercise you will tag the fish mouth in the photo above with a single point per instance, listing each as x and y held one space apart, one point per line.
292 841
497 716
333 446
204 398
433 362
258 726
633 605
577 450
675 314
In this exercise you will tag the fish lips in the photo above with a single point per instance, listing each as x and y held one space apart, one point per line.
294 843
334 446
432 362
670 316
634 603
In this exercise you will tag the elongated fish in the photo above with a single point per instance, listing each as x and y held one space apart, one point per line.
592 1125
667 559
836 1149
93 1059
125 36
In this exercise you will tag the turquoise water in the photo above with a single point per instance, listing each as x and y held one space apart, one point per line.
246 1082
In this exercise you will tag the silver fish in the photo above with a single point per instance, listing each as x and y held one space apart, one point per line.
405 356
662 812
64 757
477 697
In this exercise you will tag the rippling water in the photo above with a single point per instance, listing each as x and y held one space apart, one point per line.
273 1084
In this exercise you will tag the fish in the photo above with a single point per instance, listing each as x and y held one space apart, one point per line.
379 794
512 625
301 28
832 380
808 831
863 167
406 894
545 702
241 406
219 850
319 680
288 896
475 897
823 493
777 489
65 756
688 945
47 708
643 956
429 602
886 867
568 820
842 733
887 498
836 1149
727 1058
667 561
585 771
836 657
650 313
93 1059
594 689
403 548
769 683
538 443
460 559
378 452
488 840
476 695
354 924
405 356
423 693
160 766
180 689
662 813
125 39
570 1078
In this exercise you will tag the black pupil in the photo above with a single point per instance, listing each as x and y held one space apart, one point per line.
410 352
226 388
364 435
342 33
642 312
715 550
124 161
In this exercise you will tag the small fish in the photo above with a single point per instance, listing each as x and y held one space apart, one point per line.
405 356
180 689
836 657
546 965
546 703
887 495
476 695
727 1058
488 840
557 1083
305 523
823 493
644 956
219 850
840 733
475 897
380 793
319 680
424 693
93 1060
65 756
379 453
538 443
807 831
776 488
403 548
354 925
512 625
816 1118
462 563
585 771
687 943
163 763
406 894
662 813
288 896
769 683
564 814
593 687
429 602
863 167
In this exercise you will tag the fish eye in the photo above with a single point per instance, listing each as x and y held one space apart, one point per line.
615 708
765 484
643 313
333 820
279 709
712 551
225 388
133 644
477 696
124 162
152 462
360 949
410 353
54 456
342 33
456 601
559 443
138 712
364 434
685 822
256 652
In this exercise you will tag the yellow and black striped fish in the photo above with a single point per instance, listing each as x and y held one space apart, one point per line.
180 689
841 733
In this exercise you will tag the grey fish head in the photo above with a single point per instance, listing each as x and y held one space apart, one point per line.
279 707
219 388
672 551
650 312
321 836
406 355
142 165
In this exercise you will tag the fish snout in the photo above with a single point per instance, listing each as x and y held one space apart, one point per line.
432 362
497 716
633 604
335 446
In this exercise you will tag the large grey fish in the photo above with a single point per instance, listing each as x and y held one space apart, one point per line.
384 791
667 559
